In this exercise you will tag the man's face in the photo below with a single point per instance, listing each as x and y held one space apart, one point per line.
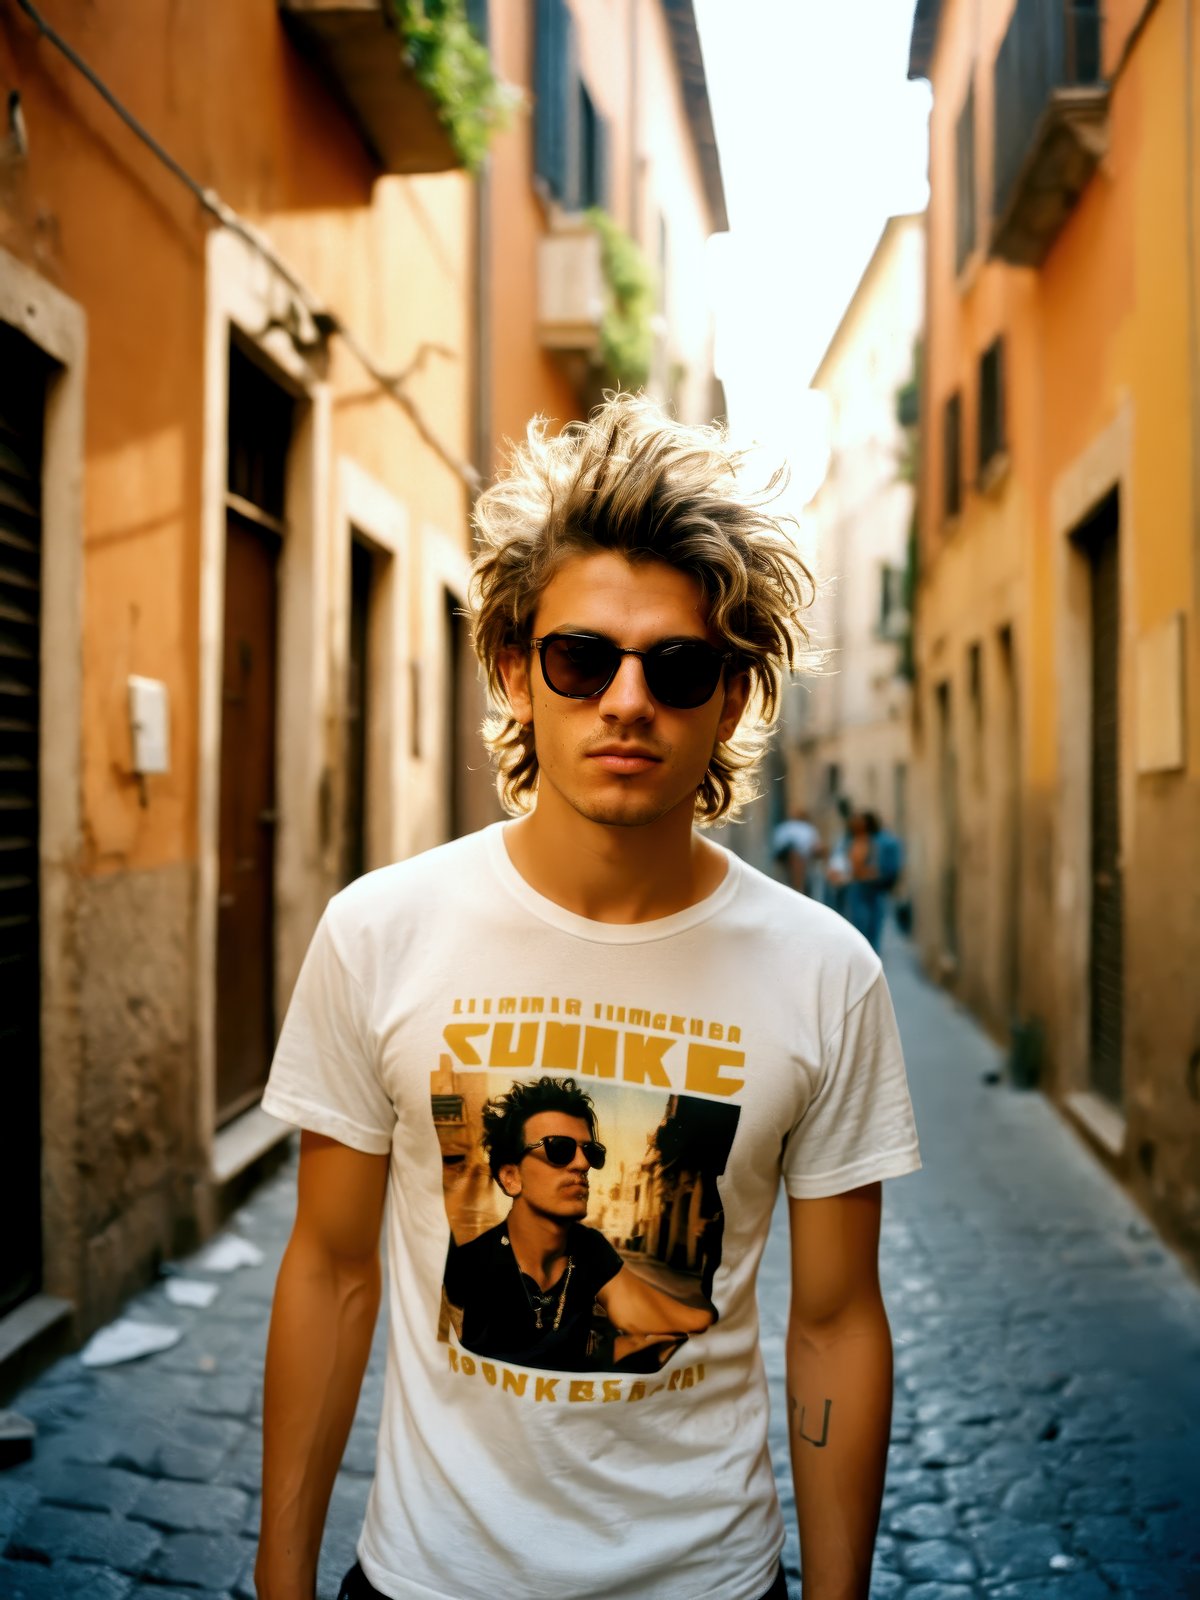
560 1193
621 758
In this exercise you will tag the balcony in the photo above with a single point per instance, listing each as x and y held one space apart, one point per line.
358 51
571 295
1051 124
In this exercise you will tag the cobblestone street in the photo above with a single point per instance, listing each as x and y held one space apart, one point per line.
1047 1428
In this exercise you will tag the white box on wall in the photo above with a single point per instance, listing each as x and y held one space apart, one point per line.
149 725
1160 720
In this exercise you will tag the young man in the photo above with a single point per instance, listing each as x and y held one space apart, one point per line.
631 602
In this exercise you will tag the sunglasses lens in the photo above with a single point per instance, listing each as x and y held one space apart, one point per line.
683 675
560 1150
577 666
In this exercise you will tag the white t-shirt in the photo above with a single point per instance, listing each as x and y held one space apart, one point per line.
747 1036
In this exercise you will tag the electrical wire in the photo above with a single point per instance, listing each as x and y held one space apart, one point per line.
326 321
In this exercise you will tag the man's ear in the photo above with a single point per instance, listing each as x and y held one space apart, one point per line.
510 1180
514 672
737 693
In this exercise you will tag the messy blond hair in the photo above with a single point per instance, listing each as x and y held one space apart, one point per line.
633 480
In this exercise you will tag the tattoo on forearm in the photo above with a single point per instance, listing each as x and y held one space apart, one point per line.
798 1412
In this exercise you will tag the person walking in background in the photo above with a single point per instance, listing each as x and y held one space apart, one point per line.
889 864
837 867
863 901
797 844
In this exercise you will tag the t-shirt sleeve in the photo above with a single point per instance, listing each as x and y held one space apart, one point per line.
858 1127
324 1075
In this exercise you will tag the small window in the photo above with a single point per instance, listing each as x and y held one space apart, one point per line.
893 613
952 456
975 697
833 779
964 165
991 405
593 154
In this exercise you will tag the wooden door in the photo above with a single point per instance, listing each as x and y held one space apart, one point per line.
22 406
246 894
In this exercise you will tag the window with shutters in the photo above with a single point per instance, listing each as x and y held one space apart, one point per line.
570 146
992 441
965 221
593 162
952 457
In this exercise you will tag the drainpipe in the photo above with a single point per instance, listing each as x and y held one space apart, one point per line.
1193 290
481 429
635 183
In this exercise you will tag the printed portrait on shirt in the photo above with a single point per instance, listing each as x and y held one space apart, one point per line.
596 1250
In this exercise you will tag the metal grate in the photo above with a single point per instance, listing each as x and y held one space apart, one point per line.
23 372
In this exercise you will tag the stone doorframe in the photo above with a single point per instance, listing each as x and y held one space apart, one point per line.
243 296
1106 464
57 325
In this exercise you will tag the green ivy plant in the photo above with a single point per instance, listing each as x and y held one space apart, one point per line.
453 66
627 329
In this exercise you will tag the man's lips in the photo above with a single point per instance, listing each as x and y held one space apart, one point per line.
626 758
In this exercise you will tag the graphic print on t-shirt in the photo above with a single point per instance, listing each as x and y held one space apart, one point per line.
635 1253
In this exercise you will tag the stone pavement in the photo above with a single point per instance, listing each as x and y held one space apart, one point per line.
1046 1443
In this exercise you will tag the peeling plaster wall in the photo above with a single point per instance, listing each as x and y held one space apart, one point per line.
135 1141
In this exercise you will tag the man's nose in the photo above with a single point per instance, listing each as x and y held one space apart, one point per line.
627 698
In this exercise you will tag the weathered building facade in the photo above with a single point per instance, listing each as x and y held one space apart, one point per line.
235 404
619 124
1057 702
848 727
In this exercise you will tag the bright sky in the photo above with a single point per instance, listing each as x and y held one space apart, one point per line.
822 138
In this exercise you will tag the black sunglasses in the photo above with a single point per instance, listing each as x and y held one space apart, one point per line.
559 1149
680 673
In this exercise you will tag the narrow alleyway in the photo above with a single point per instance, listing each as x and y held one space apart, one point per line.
1047 1429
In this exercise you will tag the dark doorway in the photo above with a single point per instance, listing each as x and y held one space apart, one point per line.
472 794
260 421
948 801
1009 865
1099 541
23 374
358 662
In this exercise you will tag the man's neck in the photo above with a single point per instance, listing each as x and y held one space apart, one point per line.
539 1243
614 874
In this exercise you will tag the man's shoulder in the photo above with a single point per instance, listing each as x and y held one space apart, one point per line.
483 1244
814 941
418 881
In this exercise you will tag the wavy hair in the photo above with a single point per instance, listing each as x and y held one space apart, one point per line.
633 480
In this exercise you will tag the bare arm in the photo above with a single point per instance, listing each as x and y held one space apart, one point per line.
839 1367
635 1306
326 1300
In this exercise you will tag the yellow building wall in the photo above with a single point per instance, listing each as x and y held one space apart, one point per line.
1098 391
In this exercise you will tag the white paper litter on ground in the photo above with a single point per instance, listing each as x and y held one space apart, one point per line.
227 1254
191 1292
126 1340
